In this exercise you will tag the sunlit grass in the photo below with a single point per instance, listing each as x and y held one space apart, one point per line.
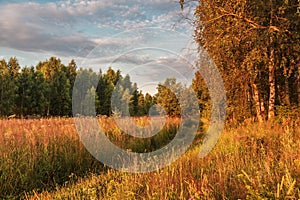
40 154
44 159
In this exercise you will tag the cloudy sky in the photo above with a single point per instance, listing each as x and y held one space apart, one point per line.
149 40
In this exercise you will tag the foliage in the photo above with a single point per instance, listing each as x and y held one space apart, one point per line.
255 45
47 90
167 96
8 85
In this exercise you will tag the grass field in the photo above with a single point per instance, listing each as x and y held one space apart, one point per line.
44 159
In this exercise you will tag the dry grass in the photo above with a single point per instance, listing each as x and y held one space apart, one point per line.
253 161
40 154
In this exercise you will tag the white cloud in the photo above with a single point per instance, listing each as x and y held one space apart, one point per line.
37 27
74 28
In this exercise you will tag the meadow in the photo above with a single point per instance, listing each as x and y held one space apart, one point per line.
45 159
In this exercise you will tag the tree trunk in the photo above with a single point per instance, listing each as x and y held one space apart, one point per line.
1 98
48 106
258 105
298 79
271 107
272 95
287 90
262 108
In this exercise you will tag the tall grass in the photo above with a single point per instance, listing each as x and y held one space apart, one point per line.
252 161
39 154
42 154
163 135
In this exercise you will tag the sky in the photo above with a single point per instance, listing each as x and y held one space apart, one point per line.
149 40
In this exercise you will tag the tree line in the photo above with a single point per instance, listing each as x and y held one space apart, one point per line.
47 90
256 46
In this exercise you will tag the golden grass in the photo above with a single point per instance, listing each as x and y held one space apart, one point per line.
253 161
40 154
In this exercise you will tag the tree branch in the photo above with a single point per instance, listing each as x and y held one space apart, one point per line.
252 23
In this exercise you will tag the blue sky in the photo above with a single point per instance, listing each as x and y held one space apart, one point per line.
149 40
